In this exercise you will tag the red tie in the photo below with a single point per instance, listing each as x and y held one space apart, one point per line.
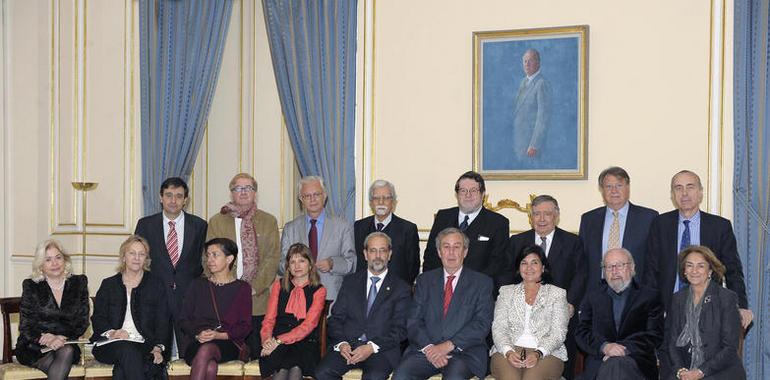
448 293
312 238
172 244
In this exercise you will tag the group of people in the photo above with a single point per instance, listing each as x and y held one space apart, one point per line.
642 295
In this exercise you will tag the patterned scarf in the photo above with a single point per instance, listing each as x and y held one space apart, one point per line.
691 333
249 244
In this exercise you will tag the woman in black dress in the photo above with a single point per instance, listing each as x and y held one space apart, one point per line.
54 310
289 330
131 307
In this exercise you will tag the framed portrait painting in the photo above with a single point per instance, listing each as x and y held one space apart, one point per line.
530 92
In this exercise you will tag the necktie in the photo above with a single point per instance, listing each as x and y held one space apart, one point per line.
380 226
448 291
682 245
172 244
312 238
544 244
372 294
464 224
614 239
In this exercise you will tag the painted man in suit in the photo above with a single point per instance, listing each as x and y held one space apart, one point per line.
256 234
486 230
368 320
329 237
176 241
531 111
565 255
621 323
405 259
450 317
688 225
619 223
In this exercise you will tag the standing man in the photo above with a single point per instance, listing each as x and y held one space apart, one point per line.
486 230
330 238
531 110
368 320
619 223
688 225
405 259
450 317
176 241
565 255
256 234
621 323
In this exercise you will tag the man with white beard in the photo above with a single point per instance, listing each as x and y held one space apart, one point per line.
405 258
624 349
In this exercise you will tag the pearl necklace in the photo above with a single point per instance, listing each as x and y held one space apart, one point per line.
217 283
56 288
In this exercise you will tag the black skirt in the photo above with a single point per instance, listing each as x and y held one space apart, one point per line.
227 349
304 354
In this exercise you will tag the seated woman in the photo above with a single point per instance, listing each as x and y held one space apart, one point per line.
217 311
289 332
703 323
54 309
530 322
131 315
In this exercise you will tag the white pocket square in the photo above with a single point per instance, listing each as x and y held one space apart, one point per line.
483 238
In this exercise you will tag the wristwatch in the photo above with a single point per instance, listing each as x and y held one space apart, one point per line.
539 354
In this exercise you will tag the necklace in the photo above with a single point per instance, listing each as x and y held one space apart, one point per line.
55 287
530 298
222 283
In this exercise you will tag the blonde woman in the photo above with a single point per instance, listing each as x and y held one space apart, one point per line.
54 309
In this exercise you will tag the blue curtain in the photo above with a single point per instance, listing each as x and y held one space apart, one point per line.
752 174
181 44
313 48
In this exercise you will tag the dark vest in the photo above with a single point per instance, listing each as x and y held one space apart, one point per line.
286 322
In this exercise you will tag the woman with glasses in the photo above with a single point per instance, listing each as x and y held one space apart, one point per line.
530 322
131 317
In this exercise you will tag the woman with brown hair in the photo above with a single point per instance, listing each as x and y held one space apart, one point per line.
289 332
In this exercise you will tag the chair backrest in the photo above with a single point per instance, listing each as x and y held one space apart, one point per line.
322 327
8 306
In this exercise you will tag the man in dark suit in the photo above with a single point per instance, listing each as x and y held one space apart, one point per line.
405 258
688 225
486 230
619 223
368 320
621 323
450 317
565 256
176 241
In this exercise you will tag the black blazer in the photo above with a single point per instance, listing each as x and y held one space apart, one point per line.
40 314
405 257
386 323
488 235
565 257
661 263
641 327
637 229
149 309
720 329
189 266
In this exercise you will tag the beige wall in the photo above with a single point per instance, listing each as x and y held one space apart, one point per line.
69 110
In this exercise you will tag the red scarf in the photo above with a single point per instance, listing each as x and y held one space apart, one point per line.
249 244
297 303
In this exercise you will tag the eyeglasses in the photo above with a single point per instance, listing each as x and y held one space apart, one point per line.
465 192
243 189
306 197
618 266
377 250
614 186
382 199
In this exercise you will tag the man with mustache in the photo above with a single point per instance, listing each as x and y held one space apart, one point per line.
405 257
368 320
624 349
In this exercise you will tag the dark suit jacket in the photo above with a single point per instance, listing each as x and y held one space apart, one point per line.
638 223
40 314
661 263
720 329
565 257
386 323
488 236
187 268
149 309
467 323
405 257
641 327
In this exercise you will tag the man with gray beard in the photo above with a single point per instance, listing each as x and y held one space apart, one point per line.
625 348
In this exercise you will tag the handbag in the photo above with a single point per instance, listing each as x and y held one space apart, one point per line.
243 350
